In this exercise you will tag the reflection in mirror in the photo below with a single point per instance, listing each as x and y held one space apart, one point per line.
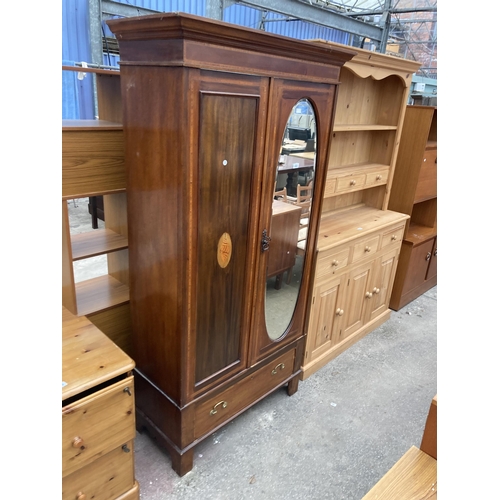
292 200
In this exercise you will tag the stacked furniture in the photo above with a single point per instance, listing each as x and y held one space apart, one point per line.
414 192
98 418
414 475
359 238
93 165
205 106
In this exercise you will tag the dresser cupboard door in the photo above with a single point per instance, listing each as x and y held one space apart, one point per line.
384 271
418 265
327 310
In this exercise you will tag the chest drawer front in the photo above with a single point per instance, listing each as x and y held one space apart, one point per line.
350 182
365 248
106 478
97 424
379 177
331 261
427 179
395 235
218 409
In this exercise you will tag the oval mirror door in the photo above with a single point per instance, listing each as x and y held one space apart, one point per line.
292 200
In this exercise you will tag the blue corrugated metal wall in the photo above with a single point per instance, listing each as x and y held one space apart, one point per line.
78 94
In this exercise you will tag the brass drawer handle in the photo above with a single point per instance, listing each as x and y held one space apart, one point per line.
281 366
213 411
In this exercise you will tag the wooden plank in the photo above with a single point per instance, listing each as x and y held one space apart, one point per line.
96 242
414 476
89 357
99 294
92 161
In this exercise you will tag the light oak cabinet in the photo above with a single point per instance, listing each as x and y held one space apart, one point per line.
205 107
359 239
98 416
414 192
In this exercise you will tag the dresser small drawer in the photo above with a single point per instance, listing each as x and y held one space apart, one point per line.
365 248
331 261
330 186
96 424
350 183
218 409
106 478
395 235
375 178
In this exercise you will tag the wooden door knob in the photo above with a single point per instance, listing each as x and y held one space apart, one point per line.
77 442
378 177
368 249
436 252
376 290
335 263
428 256
353 183
339 312
368 295
394 237
81 496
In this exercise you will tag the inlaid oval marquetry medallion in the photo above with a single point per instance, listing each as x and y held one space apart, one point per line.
224 250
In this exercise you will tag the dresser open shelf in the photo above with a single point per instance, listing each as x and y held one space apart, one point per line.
93 165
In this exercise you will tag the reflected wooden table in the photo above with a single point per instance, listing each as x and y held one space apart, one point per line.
292 165
284 235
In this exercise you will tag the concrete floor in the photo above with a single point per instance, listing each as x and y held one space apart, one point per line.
334 439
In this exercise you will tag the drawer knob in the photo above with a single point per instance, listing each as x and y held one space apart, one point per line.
335 263
213 411
125 448
428 256
368 249
368 295
127 390
77 442
378 177
376 290
394 237
353 182
436 252
81 496
339 312
281 366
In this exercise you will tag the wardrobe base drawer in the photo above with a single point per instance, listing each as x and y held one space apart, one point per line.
215 410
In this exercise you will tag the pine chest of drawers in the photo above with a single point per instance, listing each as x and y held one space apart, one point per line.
98 415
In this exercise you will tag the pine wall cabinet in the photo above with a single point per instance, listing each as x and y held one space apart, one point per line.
359 239
205 108
414 193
